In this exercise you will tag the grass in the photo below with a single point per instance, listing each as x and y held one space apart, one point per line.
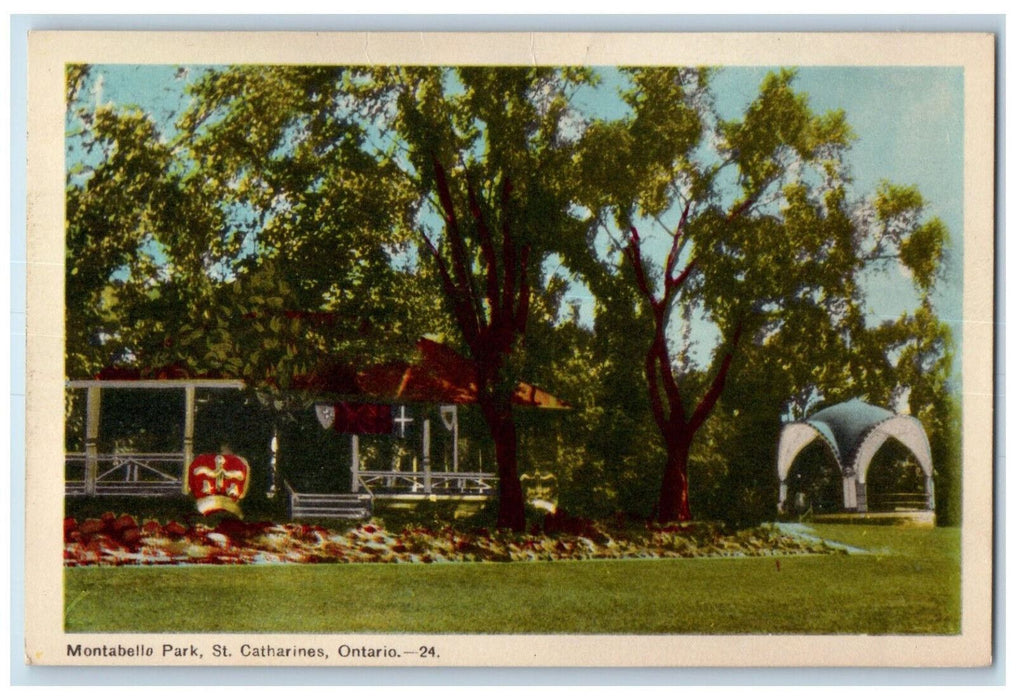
908 583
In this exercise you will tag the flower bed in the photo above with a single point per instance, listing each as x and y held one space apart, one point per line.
117 541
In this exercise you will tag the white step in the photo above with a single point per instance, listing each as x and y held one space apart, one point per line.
344 506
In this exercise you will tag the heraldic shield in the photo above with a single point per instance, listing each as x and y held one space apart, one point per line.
218 482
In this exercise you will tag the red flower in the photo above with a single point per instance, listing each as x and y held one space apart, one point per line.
175 529
90 527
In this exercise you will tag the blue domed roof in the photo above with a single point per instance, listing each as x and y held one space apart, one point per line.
845 425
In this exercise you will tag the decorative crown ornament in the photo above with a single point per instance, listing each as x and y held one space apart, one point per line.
218 482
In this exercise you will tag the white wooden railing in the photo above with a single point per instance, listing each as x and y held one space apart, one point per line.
120 474
382 483
913 500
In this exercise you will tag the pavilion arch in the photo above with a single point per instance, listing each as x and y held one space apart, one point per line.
854 431
794 438
814 481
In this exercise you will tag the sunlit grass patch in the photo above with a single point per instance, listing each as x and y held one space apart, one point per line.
910 585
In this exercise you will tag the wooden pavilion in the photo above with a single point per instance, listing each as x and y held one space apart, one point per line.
378 401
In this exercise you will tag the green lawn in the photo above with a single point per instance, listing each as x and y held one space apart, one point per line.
909 582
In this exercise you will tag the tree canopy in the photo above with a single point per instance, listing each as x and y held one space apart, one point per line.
765 241
290 213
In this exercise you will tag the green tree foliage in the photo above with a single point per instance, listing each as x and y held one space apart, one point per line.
767 242
289 214
246 238
488 150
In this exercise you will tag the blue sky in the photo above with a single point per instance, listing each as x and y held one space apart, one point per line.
909 128
908 122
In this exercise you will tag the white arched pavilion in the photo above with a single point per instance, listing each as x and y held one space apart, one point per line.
854 431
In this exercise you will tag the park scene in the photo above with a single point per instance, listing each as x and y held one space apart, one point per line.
501 350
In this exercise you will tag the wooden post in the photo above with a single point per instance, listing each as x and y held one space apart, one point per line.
426 456
354 443
93 408
188 432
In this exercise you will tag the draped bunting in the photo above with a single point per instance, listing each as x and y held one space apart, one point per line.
363 418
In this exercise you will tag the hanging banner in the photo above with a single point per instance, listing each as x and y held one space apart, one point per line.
363 418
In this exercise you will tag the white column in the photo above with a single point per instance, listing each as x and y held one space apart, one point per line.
426 456
850 492
455 439
450 418
862 497
355 466
93 407
188 432
274 462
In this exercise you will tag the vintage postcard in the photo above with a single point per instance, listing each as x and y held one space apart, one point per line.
510 349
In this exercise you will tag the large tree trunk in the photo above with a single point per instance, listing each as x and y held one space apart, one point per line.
673 505
665 395
490 326
501 423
